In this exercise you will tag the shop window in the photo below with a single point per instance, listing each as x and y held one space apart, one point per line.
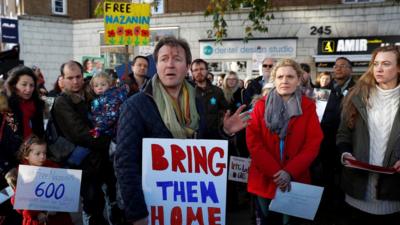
246 5
240 67
360 1
114 55
59 7
160 7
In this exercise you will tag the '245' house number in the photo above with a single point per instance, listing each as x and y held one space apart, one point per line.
320 30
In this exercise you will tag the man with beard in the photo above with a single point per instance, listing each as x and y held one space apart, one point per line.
212 97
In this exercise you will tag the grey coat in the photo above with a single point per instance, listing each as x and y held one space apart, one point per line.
356 141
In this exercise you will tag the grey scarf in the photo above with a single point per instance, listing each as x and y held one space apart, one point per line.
278 112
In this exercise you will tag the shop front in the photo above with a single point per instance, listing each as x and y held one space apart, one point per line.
357 49
245 58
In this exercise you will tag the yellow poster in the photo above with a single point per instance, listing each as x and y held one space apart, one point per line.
126 23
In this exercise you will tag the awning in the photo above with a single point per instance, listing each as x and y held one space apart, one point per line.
326 62
332 58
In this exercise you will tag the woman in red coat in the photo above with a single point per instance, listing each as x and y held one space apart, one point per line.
283 138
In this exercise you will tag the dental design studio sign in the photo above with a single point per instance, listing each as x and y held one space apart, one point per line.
237 49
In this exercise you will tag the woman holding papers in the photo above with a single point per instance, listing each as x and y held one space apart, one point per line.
283 138
370 133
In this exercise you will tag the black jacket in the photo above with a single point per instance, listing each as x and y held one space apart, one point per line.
10 142
330 124
254 88
71 116
214 105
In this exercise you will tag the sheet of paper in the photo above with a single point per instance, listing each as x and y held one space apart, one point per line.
302 201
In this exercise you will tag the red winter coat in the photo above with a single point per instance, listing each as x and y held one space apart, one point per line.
30 216
301 147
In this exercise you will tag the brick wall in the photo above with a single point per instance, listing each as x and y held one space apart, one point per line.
37 7
77 9
176 6
281 3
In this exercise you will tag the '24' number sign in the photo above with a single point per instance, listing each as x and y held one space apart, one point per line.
50 190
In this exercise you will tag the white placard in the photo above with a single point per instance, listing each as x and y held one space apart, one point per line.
301 201
239 169
48 189
321 100
185 180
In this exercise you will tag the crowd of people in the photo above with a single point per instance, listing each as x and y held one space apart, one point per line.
272 119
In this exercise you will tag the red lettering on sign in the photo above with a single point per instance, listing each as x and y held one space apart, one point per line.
157 157
213 218
184 161
220 166
191 217
157 215
214 215
200 159
176 216
177 156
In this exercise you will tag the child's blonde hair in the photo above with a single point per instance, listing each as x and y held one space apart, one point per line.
102 75
25 148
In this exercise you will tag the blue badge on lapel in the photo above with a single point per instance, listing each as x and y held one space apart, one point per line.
213 101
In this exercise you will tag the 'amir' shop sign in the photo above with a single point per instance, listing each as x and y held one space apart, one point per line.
354 45
237 49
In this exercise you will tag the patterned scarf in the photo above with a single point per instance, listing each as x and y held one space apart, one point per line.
180 116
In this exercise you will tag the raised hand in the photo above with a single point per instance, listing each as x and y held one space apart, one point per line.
235 122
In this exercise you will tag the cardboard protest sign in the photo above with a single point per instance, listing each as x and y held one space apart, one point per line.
126 23
239 169
184 181
48 189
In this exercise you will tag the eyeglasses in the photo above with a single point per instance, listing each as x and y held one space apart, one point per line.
267 65
340 66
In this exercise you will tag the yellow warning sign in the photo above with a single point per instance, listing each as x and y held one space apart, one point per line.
328 46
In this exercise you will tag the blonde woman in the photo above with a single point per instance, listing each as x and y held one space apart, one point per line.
283 137
232 92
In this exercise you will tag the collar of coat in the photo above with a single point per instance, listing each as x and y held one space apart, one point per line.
76 98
